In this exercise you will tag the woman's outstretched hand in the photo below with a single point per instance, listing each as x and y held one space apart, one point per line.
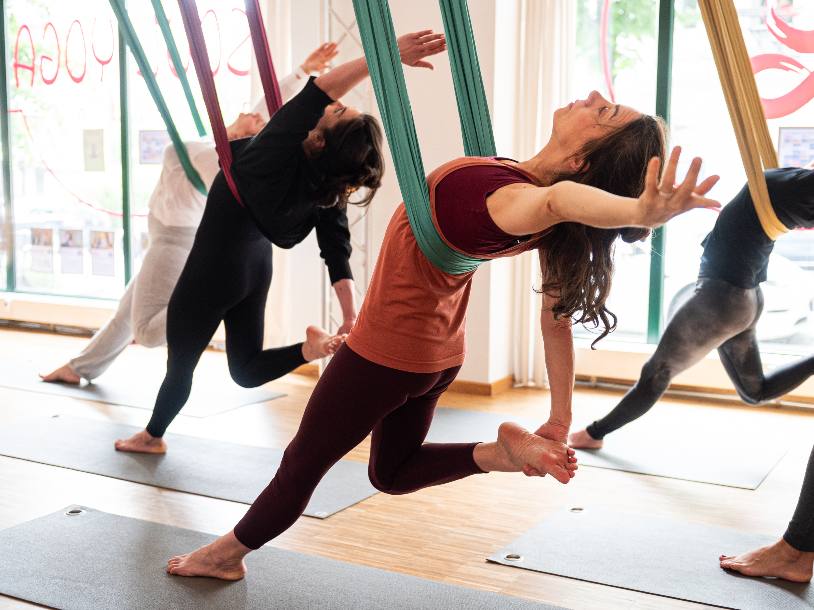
416 46
663 200
320 58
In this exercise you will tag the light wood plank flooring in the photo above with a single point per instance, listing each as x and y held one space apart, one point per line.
442 533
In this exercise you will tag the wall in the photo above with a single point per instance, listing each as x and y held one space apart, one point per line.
433 100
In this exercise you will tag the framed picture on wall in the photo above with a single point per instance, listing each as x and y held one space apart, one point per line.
795 146
151 145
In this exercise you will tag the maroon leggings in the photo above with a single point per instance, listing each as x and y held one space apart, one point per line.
353 398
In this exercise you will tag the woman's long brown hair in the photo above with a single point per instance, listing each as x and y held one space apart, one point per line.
352 159
577 260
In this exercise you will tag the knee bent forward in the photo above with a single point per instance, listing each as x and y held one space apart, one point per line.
149 338
242 378
656 375
384 484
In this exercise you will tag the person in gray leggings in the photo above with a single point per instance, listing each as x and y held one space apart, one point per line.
176 208
722 314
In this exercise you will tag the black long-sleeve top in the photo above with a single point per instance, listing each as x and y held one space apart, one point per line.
276 182
737 249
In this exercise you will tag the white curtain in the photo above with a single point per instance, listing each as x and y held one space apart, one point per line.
544 32
277 19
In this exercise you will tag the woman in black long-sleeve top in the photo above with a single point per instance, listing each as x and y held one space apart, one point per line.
295 176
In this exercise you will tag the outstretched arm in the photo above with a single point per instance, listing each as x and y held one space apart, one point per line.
523 209
413 48
559 361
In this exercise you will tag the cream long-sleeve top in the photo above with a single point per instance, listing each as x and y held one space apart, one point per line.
175 202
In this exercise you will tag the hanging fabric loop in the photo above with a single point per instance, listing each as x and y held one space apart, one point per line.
127 30
262 52
175 57
200 59
384 64
473 109
743 102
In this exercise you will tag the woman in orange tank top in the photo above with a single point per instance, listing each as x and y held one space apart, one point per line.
596 180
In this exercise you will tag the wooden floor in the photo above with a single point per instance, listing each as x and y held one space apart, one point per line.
443 533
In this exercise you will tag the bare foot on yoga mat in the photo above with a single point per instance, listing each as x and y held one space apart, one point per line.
63 374
583 440
534 455
222 559
141 442
779 560
318 343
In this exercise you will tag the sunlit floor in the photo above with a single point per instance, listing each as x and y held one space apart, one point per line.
442 533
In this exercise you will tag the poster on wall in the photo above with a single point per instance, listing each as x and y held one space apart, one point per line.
151 145
795 147
42 250
94 150
71 253
102 261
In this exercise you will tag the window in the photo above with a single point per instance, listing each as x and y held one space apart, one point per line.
63 87
616 55
65 120
230 54
701 123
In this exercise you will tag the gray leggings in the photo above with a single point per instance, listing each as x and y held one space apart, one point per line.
719 315
142 311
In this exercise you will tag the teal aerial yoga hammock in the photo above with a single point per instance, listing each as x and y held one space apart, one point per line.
178 66
476 124
384 63
127 30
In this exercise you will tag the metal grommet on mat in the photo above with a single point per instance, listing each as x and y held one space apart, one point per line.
74 512
576 509
513 557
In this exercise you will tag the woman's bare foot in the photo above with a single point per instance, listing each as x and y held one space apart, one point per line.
518 450
141 442
583 440
318 343
222 559
779 560
64 374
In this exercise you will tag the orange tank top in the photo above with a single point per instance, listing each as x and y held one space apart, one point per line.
414 314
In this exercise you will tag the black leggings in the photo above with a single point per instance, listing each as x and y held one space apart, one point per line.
226 277
719 315
800 533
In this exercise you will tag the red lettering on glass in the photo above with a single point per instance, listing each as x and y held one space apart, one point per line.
209 46
103 61
74 77
17 64
232 68
44 58
794 99
184 65
801 41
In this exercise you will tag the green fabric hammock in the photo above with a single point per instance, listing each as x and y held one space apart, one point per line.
132 40
172 48
384 63
476 124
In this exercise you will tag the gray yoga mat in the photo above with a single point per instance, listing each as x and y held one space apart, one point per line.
652 555
205 467
97 560
689 447
211 394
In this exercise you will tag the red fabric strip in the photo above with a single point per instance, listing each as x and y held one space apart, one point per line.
200 58
262 52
